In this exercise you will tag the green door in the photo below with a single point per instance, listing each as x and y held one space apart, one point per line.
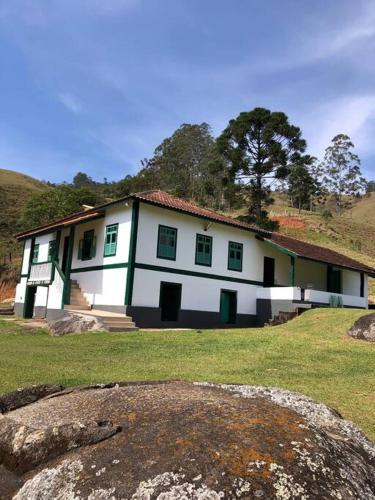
228 306
28 310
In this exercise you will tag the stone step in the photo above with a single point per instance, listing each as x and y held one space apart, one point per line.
122 329
118 324
77 307
6 312
115 319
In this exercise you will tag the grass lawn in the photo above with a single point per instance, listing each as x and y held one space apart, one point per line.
310 354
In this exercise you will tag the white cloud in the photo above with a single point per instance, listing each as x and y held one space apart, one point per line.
70 102
353 115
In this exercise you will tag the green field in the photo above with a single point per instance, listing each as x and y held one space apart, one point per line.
310 354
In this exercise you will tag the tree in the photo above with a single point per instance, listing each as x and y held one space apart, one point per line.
260 146
370 187
301 184
187 164
342 173
54 203
81 180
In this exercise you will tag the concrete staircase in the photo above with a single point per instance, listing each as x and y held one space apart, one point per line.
6 310
77 299
285 316
113 322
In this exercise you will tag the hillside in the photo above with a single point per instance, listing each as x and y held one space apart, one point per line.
15 191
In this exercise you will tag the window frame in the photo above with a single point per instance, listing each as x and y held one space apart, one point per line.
158 242
51 256
196 249
34 260
105 240
92 231
228 264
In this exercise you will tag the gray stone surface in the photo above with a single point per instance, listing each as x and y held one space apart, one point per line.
75 323
364 328
176 440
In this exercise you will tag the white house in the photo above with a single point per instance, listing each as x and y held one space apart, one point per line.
166 262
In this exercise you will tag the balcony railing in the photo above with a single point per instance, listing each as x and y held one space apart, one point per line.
41 273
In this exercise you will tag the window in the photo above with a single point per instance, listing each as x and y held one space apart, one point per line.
235 256
167 243
203 250
51 250
110 242
34 259
87 246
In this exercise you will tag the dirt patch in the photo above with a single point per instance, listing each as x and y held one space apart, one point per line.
289 221
180 440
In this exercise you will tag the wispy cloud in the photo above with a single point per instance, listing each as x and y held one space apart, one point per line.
353 115
70 102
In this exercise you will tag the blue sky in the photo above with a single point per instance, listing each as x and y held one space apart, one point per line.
96 85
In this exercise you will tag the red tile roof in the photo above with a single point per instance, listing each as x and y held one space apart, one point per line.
167 200
318 253
69 220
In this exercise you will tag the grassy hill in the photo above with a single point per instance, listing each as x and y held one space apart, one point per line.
15 191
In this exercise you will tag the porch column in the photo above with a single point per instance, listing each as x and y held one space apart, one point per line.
292 271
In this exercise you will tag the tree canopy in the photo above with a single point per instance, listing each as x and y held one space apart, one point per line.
55 203
342 172
259 147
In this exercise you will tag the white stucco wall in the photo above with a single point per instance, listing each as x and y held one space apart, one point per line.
187 227
26 257
43 242
198 294
119 214
41 296
104 287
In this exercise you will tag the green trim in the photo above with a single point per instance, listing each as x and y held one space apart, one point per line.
66 292
24 275
172 270
207 264
99 268
279 247
229 259
31 256
132 253
158 253
292 272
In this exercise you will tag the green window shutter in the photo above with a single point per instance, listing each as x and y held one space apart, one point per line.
80 244
110 242
35 254
167 243
203 250
235 251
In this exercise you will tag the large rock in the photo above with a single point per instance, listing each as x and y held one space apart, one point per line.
364 328
180 440
75 323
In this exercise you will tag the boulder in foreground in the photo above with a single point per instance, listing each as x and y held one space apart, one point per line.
177 440
364 328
